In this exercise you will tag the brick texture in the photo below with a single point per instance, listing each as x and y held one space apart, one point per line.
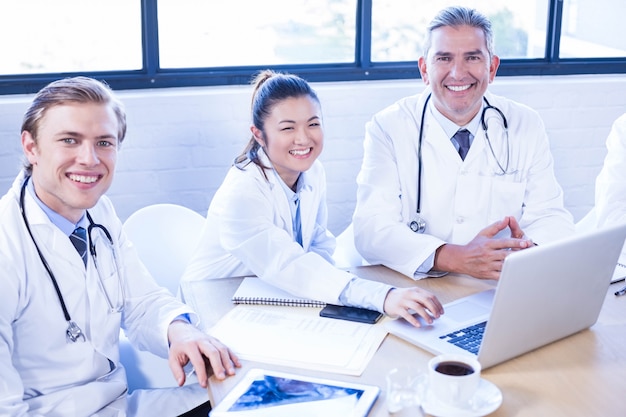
181 142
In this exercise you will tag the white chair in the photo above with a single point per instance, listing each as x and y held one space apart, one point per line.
165 236
346 254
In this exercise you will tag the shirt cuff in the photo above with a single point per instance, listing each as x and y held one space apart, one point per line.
183 317
426 270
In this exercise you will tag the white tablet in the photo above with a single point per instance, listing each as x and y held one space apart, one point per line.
263 393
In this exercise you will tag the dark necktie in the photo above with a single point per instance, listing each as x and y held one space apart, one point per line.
79 240
298 223
462 137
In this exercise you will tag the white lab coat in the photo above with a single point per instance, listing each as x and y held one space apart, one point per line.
611 182
458 198
248 231
42 374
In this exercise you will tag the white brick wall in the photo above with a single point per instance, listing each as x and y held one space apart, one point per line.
180 142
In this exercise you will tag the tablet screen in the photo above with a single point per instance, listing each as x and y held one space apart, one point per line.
268 393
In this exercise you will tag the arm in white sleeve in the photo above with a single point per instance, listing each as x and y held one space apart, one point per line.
365 294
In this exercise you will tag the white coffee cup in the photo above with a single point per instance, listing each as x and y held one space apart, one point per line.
454 379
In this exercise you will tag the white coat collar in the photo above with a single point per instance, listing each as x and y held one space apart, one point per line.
305 183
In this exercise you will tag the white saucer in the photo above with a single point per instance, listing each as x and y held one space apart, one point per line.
487 399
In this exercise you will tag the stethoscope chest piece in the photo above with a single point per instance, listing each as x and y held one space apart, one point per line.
74 333
417 225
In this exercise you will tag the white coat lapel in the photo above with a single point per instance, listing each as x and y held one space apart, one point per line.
281 204
50 239
437 141
277 194
478 146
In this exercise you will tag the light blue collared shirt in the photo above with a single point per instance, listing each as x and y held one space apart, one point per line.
450 128
59 221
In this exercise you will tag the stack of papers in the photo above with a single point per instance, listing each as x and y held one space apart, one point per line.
299 337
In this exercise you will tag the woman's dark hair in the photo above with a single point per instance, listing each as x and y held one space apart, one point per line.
270 88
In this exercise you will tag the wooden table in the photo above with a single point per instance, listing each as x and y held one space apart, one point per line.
582 375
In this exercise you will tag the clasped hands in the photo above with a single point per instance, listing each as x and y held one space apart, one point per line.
482 258
484 255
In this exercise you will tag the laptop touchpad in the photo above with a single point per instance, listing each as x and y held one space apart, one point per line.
465 310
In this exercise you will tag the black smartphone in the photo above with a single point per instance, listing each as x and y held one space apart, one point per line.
362 315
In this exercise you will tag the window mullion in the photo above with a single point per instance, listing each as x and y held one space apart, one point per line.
150 37
553 33
363 47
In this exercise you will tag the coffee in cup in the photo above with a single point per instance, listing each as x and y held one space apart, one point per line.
454 379
454 368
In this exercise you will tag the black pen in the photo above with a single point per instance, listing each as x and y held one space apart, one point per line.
621 291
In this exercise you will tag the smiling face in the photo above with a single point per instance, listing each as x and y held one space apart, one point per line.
292 136
458 69
73 156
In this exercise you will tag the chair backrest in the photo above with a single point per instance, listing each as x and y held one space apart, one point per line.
346 254
165 236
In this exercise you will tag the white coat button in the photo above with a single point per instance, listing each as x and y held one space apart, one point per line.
460 220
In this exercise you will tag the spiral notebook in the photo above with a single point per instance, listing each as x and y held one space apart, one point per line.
253 290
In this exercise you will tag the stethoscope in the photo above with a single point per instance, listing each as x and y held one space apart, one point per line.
418 224
74 332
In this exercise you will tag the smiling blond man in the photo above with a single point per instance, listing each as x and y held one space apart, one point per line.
62 311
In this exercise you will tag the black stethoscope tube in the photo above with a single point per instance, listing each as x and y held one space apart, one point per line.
66 314
418 225
73 332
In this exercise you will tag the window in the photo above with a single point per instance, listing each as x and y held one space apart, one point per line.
163 43
42 36
255 33
399 27
593 29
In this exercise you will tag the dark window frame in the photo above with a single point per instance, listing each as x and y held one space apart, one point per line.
151 76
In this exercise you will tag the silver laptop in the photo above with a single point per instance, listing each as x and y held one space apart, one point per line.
544 294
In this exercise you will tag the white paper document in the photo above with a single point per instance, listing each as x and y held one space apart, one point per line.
299 337
619 273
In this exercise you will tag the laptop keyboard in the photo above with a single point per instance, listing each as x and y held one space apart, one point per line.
468 338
